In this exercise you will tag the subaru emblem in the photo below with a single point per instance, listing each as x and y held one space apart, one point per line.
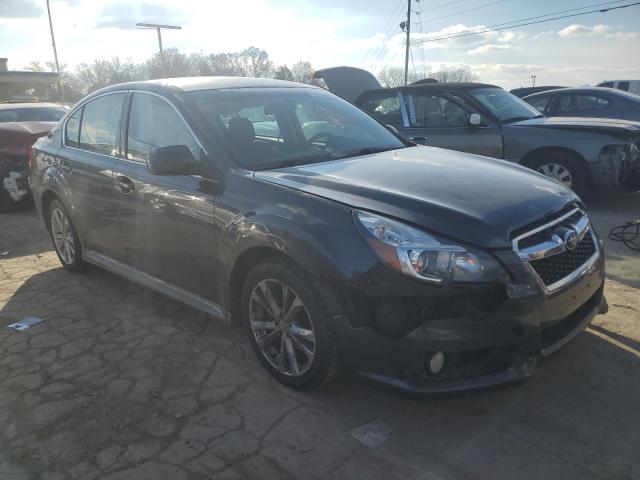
571 239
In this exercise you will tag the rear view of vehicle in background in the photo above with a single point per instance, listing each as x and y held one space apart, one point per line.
595 102
631 86
21 124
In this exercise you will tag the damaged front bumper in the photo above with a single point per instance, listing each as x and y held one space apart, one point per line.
14 178
498 345
617 164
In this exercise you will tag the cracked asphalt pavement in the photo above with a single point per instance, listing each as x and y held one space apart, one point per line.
119 382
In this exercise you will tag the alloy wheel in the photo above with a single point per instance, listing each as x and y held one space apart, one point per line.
63 236
282 327
558 172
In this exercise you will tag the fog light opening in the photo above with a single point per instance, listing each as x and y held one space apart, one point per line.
436 363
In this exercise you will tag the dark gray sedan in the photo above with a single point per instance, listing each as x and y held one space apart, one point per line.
595 102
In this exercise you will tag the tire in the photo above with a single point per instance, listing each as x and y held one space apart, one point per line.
64 237
285 337
562 166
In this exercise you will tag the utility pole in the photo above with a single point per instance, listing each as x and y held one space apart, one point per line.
406 53
55 53
158 29
533 79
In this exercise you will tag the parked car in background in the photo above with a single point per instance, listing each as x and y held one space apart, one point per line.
341 245
31 112
484 119
631 86
524 91
587 102
21 124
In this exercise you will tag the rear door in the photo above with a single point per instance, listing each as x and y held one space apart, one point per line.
87 158
440 119
167 221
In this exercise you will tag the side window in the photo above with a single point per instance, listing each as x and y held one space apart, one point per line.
73 129
432 110
564 104
539 102
602 103
384 107
624 86
605 84
100 124
154 123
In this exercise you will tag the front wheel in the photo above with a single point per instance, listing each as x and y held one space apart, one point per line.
563 168
288 324
65 238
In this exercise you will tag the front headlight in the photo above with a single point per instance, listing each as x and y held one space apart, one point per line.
422 255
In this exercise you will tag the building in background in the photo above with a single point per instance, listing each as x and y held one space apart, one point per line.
22 86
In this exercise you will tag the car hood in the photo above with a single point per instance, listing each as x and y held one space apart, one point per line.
474 199
16 137
580 123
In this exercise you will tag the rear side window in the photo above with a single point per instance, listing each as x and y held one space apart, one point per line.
578 103
72 130
384 107
539 102
154 123
624 86
100 124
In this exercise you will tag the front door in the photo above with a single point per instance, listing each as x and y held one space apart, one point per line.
167 221
441 120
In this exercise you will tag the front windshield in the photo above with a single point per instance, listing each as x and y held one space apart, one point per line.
505 106
275 127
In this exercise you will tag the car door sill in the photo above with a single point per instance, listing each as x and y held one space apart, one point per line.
149 281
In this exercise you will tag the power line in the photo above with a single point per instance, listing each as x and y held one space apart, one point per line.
546 15
465 11
448 4
375 51
492 29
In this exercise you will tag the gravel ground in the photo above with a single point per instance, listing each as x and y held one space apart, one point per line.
119 382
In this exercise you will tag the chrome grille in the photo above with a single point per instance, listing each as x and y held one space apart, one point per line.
545 252
555 268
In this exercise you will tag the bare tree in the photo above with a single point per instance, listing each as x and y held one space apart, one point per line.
101 73
254 62
175 64
394 77
283 73
303 72
459 75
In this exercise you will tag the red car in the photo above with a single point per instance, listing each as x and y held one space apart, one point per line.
21 124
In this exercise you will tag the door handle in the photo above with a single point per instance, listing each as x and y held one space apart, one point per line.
418 139
124 184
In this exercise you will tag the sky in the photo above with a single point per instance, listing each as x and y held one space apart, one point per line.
364 33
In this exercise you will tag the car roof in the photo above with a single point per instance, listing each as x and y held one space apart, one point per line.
605 90
9 105
435 86
189 84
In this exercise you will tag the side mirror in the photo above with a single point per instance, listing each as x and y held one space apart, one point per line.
475 120
171 160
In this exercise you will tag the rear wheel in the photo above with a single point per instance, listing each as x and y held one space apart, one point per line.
65 238
288 325
563 168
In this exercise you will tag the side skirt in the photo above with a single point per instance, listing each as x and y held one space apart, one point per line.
149 281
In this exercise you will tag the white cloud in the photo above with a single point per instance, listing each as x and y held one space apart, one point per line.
490 48
576 30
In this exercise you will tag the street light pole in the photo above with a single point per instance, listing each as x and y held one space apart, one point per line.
158 29
533 78
55 53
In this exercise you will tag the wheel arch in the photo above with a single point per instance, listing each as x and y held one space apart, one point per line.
243 264
46 198
533 155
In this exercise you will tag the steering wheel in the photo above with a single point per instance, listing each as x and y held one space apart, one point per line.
317 136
